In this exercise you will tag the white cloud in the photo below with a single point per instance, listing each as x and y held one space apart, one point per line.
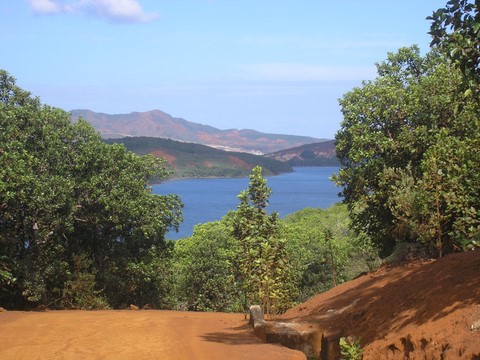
117 10
114 10
46 6
306 72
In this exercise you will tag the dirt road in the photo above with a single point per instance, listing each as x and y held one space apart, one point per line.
123 335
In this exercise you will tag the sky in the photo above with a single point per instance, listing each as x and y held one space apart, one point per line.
276 66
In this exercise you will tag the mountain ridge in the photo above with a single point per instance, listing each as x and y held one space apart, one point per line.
315 154
157 123
197 160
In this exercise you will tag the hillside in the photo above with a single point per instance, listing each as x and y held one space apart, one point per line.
159 124
418 310
195 160
316 154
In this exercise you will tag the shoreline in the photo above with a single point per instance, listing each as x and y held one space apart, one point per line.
240 177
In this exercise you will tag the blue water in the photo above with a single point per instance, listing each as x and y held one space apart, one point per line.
208 200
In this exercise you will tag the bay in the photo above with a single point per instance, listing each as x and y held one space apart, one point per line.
210 199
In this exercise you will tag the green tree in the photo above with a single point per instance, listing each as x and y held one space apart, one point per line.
325 251
205 269
456 30
264 261
403 135
65 196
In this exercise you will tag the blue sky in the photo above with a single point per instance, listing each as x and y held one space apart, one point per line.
276 66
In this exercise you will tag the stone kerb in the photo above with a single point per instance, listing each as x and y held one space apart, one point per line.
258 322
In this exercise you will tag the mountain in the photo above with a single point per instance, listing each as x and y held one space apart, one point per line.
196 160
316 154
159 124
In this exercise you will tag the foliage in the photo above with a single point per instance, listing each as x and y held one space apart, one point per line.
456 30
320 251
350 348
195 160
65 196
148 281
206 271
325 251
408 147
264 262
80 290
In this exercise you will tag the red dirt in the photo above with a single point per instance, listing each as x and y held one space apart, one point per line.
122 335
238 162
419 310
161 153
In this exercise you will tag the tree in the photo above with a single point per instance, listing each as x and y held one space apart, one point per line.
325 251
205 269
66 196
402 136
456 30
264 262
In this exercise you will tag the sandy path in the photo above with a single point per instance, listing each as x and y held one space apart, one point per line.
119 335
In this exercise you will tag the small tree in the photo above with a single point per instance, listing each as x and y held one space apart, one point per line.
264 264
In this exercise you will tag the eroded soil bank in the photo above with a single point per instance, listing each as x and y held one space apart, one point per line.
418 310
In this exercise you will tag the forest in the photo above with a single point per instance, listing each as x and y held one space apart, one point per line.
80 228
196 160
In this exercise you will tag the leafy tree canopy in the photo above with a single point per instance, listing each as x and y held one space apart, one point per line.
206 271
408 148
456 30
71 205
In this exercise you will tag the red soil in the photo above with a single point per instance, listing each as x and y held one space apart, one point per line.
125 335
419 310
160 153
238 162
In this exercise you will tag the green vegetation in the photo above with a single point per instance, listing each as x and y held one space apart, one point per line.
78 225
325 251
195 160
81 229
410 179
238 261
408 146
350 348
206 269
456 29
409 141
315 154
308 252
264 259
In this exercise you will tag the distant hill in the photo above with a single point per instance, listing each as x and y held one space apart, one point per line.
317 154
156 123
195 160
